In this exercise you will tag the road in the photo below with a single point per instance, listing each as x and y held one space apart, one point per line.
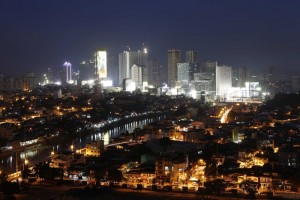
225 115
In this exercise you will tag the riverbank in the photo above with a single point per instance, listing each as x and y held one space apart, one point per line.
41 152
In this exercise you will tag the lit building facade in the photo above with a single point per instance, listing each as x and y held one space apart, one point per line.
184 76
100 65
136 75
183 72
128 59
223 82
204 84
68 72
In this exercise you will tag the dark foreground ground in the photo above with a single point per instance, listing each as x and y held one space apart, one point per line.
54 192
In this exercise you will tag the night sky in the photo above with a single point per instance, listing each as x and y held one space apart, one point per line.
37 34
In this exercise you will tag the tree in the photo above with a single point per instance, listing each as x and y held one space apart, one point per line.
3 177
8 188
115 175
215 186
48 173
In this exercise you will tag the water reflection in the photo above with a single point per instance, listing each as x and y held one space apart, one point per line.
8 163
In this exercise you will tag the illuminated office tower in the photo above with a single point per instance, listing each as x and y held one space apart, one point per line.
128 59
124 66
223 82
173 59
68 71
183 73
136 75
100 65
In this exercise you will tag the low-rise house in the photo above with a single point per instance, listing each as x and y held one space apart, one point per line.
64 160
265 182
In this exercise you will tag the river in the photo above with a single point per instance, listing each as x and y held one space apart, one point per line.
42 153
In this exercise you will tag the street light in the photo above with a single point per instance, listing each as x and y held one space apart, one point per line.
25 163
72 147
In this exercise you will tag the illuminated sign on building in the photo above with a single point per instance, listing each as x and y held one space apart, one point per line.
101 64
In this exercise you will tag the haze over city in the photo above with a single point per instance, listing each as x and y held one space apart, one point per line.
35 35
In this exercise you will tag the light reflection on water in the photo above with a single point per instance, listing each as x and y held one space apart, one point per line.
8 163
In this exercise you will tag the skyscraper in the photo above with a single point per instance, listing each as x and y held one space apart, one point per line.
100 65
191 56
128 59
136 75
183 72
223 81
243 77
86 70
173 59
154 72
124 66
68 72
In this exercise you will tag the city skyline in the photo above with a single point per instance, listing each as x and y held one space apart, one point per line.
253 34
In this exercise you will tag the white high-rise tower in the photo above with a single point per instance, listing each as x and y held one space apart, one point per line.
223 81
68 67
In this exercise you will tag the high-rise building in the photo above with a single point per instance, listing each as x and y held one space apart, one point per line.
124 66
100 65
128 59
143 62
154 72
29 81
204 84
112 68
206 80
184 73
223 82
191 56
136 75
209 67
68 72
184 76
86 70
243 77
173 59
